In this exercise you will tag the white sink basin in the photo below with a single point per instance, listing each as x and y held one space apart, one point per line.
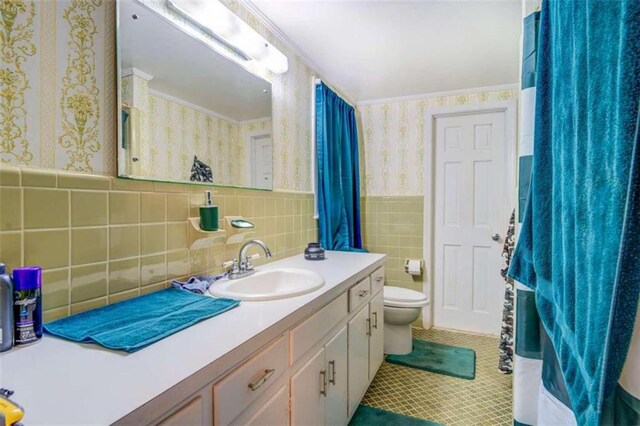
269 285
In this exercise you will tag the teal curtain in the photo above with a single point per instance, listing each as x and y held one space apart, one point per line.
579 246
338 176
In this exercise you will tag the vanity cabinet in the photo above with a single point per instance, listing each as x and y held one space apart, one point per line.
366 347
314 372
319 388
376 334
274 412
190 413
358 357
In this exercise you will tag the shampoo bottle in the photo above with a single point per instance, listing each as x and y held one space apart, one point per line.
208 214
6 310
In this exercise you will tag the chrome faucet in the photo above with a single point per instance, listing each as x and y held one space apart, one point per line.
243 266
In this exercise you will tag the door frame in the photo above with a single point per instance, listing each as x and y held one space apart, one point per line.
510 109
252 137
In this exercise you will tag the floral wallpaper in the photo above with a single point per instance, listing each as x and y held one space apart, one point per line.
57 100
393 135
54 96
18 48
177 133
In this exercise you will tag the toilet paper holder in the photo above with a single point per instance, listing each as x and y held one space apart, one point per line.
413 266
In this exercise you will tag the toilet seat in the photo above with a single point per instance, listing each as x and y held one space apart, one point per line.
399 297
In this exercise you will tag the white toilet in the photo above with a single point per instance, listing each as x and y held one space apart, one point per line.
401 307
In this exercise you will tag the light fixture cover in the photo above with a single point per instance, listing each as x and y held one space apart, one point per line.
215 17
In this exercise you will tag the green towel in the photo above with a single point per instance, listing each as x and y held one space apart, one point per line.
133 324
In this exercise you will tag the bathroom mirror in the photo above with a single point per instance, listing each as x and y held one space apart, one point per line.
188 114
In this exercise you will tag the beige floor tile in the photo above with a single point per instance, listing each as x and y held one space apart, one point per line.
487 400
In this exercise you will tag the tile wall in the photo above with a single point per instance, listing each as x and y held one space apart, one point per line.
101 239
394 226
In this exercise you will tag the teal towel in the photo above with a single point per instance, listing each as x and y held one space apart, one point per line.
579 246
133 324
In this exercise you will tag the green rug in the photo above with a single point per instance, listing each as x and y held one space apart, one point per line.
370 416
438 358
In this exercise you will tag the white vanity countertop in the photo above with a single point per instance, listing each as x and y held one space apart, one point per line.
63 383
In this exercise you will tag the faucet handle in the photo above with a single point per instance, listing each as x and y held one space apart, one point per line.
236 268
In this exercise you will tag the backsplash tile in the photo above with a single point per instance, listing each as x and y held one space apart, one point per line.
88 282
124 207
88 245
45 208
49 248
89 208
101 243
10 209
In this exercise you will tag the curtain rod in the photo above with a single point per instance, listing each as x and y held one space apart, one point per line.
317 81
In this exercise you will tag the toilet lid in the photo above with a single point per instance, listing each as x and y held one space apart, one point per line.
403 295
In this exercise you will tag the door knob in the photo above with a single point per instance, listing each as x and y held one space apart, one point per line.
495 237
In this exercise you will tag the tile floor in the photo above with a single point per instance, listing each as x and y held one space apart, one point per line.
447 400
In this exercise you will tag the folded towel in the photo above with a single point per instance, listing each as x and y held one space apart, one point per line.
135 323
199 284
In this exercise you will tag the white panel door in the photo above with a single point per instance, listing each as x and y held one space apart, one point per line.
470 191
336 358
376 341
308 392
358 357
261 161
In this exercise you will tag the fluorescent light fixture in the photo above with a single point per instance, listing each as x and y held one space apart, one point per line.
214 17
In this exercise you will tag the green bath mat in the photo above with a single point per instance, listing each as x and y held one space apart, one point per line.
370 416
438 358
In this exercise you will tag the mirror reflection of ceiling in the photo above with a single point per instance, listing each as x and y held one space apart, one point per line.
187 69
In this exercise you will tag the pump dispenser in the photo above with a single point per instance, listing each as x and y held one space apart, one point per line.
208 214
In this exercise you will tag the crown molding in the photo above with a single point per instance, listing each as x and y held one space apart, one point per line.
271 26
512 86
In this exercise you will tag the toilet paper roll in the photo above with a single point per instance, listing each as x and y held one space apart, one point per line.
413 267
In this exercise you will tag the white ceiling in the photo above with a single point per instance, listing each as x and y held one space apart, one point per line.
381 49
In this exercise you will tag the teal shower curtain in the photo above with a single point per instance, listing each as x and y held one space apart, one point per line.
338 176
578 249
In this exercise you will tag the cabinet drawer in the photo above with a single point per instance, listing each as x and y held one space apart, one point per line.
235 392
188 414
377 280
306 334
359 293
273 412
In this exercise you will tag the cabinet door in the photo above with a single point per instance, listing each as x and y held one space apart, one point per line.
309 391
273 412
336 357
358 357
189 414
376 341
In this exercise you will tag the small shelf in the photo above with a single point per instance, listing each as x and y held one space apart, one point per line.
204 239
236 235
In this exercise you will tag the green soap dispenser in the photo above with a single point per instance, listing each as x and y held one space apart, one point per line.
208 214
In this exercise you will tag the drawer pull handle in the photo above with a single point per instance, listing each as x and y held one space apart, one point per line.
332 368
363 293
379 279
368 327
375 320
323 383
262 380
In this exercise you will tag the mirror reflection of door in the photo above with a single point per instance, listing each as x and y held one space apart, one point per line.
261 156
172 113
